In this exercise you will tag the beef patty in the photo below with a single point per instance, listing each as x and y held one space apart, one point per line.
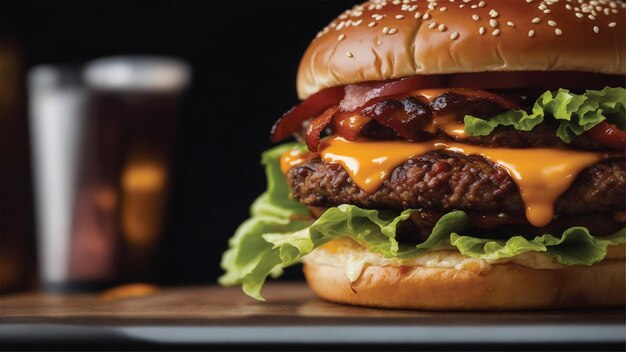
543 135
450 181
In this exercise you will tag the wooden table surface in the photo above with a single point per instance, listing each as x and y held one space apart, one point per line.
215 312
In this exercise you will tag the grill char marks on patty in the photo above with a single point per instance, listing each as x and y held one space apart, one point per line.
450 181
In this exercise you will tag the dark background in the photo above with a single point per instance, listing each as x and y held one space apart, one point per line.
244 58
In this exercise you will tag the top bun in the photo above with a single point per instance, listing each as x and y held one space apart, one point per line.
382 40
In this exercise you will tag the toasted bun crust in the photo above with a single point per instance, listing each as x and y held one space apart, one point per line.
373 42
504 287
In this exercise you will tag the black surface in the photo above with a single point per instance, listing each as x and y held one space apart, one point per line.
244 57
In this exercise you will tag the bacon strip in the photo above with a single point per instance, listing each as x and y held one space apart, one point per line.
609 135
317 125
357 95
453 101
409 118
292 120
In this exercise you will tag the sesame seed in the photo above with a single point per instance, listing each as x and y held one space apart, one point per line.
591 17
357 23
432 25
531 33
481 30
529 1
546 11
442 27
493 13
481 4
385 30
341 37
475 17
399 17
495 33
426 16
536 20
568 6
412 8
612 24
493 23
579 15
393 31
443 9
454 35
551 23
596 29
558 32
510 24
349 54
417 15
371 24
474 6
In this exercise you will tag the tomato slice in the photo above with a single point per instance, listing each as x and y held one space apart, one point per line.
609 135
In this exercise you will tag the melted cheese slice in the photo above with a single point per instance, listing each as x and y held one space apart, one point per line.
541 174
295 157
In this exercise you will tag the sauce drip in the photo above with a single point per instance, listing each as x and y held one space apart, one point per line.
450 125
541 174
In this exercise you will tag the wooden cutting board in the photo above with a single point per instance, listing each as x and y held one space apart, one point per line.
291 316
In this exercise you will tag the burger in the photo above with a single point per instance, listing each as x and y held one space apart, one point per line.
451 155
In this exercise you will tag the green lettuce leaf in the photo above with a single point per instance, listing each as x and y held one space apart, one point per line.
576 246
376 230
576 113
250 259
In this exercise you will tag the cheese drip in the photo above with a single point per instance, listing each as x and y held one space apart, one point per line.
295 157
541 174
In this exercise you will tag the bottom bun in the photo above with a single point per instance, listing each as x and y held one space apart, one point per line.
505 286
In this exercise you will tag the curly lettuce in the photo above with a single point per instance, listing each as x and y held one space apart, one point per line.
250 258
280 232
576 113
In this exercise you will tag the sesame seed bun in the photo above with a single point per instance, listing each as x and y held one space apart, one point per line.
504 287
385 40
